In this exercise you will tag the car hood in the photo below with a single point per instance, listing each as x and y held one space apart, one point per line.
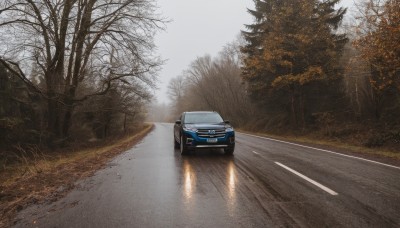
208 126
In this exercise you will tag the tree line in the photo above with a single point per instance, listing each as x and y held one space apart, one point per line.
75 69
298 67
212 84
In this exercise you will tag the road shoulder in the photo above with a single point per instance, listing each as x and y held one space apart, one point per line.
57 179
390 158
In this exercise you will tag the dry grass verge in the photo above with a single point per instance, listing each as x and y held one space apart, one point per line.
46 178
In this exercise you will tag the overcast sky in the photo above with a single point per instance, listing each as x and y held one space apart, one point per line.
198 27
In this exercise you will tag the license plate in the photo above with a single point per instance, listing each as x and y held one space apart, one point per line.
212 140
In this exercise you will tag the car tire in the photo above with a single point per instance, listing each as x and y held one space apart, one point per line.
229 150
183 148
176 144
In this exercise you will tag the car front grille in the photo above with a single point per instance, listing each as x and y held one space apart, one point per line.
211 133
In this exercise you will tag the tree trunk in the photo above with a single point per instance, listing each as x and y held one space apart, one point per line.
302 111
125 124
69 109
67 120
105 133
53 121
293 108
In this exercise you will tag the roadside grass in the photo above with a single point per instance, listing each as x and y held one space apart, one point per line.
336 145
40 177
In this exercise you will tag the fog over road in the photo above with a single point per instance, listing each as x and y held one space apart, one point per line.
266 183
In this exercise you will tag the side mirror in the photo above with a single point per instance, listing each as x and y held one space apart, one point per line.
178 122
227 121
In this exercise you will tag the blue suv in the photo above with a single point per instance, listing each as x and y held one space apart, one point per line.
195 130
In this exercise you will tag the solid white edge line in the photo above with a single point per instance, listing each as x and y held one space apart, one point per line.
326 189
327 151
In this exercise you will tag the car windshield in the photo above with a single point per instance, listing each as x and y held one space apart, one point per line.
203 118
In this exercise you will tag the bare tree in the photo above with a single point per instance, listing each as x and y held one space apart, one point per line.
75 43
176 88
176 92
214 84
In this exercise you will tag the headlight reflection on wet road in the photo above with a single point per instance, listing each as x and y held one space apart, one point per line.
189 180
231 181
226 187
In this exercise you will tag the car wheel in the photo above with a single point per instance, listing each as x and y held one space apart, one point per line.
183 148
176 144
229 150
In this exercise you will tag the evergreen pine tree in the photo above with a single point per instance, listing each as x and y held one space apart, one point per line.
292 52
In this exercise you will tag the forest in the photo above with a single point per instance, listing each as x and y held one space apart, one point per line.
77 84
301 69
75 71
80 71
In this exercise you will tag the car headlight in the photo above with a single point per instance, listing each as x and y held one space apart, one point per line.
189 129
229 129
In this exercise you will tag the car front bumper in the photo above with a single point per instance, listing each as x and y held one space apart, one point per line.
192 140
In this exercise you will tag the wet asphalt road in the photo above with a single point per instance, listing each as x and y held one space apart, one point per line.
151 185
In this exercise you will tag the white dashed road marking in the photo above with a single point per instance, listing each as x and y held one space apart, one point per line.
326 189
